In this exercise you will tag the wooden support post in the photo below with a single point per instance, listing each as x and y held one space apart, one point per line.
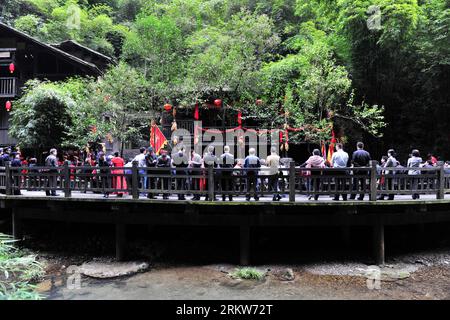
373 181
67 191
378 243
441 183
16 225
135 180
211 183
245 245
8 179
292 181
120 241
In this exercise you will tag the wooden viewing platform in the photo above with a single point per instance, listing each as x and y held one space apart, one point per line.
81 200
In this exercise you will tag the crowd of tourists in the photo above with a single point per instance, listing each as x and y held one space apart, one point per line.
188 172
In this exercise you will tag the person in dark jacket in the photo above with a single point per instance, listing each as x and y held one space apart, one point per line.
105 178
150 160
180 160
164 162
52 162
360 158
16 163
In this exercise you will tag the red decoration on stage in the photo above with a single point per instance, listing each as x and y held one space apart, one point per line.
12 67
8 106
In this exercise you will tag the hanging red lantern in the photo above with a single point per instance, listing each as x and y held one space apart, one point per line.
12 67
196 114
167 107
239 119
8 106
218 103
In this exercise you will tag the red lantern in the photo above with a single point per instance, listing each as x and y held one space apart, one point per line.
239 119
259 102
167 107
8 106
196 114
217 102
12 67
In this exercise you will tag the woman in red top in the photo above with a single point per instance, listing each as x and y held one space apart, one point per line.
119 181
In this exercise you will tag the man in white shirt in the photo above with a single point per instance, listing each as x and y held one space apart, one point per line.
142 163
340 160
273 162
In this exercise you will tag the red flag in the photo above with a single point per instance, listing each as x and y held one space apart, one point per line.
157 139
331 147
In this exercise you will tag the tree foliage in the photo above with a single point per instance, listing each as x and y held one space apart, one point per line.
370 68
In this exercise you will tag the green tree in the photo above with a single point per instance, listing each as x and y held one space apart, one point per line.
227 58
40 118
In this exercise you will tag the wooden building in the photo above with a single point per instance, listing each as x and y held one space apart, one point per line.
23 57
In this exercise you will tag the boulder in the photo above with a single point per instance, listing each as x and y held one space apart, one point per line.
112 269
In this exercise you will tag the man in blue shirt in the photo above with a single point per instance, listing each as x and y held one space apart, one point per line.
252 164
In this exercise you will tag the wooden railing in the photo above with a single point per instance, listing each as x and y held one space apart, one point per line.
290 181
8 87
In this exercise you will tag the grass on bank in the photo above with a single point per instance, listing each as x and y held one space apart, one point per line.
247 273
19 270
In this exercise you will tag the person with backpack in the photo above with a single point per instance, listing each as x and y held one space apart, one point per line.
391 162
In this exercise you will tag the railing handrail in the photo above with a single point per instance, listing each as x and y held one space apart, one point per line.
327 181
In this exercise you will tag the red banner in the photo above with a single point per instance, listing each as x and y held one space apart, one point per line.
157 139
